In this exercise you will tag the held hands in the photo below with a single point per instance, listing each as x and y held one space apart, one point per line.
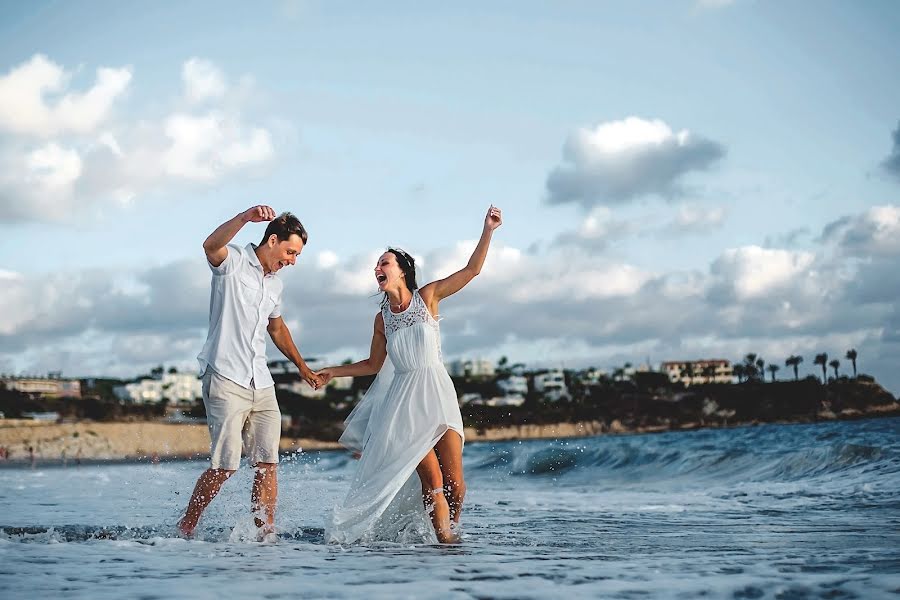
325 375
257 214
314 381
493 219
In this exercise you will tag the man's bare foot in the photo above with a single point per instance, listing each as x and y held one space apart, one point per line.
186 529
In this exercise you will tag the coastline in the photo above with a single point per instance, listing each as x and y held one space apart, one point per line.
94 442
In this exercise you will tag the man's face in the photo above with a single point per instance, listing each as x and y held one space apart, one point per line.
281 253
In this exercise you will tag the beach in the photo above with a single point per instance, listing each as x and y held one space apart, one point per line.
147 439
118 441
142 440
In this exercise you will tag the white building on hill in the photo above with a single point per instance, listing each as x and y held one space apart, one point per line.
177 388
514 384
471 368
691 372
52 386
552 385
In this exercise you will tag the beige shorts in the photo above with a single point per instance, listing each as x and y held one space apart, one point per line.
237 415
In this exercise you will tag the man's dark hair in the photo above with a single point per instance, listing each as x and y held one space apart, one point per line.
284 226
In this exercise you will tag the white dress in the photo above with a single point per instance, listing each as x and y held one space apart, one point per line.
409 407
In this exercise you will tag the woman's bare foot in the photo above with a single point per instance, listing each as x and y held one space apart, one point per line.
448 536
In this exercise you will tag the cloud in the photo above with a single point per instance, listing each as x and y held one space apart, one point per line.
203 147
752 272
874 232
597 230
202 80
566 304
619 161
26 108
116 160
891 164
695 218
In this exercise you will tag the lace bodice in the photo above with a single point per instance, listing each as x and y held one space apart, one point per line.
415 313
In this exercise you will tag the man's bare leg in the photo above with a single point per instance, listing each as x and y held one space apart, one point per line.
264 496
208 485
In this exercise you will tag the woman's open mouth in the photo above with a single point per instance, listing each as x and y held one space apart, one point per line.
380 278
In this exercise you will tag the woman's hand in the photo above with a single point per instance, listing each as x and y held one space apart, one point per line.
324 375
311 378
493 220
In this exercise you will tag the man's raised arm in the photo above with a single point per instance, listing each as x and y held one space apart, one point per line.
215 244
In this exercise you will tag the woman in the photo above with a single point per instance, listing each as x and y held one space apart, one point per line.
409 421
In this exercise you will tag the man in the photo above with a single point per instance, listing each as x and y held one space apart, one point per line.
238 390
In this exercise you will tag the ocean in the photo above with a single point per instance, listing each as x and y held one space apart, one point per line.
772 511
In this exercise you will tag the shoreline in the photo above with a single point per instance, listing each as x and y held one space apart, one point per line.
88 443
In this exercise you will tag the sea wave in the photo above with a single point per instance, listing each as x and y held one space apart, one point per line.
748 454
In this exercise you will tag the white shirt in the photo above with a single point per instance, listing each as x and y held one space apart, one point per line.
241 303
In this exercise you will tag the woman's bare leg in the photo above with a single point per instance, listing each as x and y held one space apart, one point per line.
449 453
436 505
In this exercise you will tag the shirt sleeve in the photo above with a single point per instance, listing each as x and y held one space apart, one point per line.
276 310
228 265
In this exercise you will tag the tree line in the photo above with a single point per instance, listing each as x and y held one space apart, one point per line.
754 367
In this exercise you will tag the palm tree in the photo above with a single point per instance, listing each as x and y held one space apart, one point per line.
502 366
794 361
739 370
761 367
834 365
773 368
750 366
851 356
822 359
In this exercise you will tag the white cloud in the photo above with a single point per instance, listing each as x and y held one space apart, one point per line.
560 306
357 277
326 259
753 272
203 147
202 80
598 229
618 161
56 179
874 232
52 166
25 108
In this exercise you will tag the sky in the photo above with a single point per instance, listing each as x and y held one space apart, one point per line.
681 179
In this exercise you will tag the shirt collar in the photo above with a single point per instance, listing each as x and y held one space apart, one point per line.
254 259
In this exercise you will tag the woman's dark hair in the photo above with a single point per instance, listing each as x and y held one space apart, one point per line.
407 264
284 226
